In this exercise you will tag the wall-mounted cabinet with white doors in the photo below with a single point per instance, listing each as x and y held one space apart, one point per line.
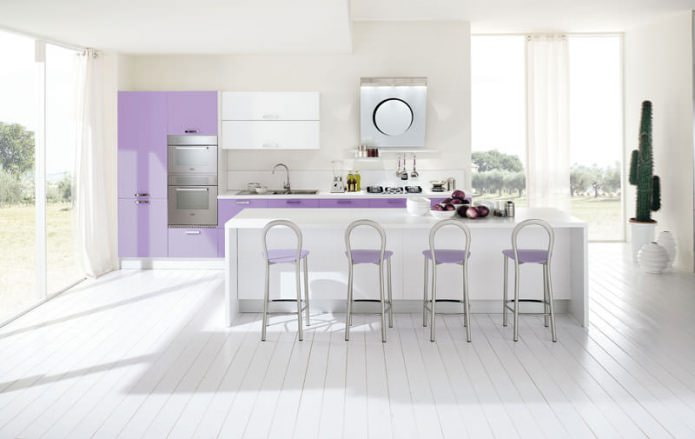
270 120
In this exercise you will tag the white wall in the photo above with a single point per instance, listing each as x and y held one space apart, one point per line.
439 51
658 67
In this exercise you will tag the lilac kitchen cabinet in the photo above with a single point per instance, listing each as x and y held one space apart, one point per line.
344 203
192 112
194 242
142 228
293 203
142 144
387 202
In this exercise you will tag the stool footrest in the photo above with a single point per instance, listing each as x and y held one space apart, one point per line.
285 300
527 301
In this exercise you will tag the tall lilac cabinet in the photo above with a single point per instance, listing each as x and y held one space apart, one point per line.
142 174
144 120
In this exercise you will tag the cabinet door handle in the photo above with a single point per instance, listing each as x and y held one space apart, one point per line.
142 202
344 201
192 147
191 189
192 232
393 201
243 202
271 116
142 195
294 201
191 131
270 145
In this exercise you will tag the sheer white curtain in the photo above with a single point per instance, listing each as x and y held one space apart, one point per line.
95 169
547 77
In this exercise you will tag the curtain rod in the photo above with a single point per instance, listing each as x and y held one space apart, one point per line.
42 38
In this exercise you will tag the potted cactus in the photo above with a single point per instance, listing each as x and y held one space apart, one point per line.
648 184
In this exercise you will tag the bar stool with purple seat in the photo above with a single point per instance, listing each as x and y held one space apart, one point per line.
369 256
446 256
530 256
295 256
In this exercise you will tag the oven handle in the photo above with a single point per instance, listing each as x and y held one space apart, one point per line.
192 147
192 189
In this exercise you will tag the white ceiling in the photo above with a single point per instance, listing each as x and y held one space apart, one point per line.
187 26
308 26
508 16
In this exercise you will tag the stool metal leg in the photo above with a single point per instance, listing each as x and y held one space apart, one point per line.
516 301
424 296
550 304
383 305
348 309
390 291
505 297
434 300
266 297
306 291
299 301
546 304
466 303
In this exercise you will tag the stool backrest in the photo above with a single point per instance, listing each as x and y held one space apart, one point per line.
369 223
533 222
454 223
282 223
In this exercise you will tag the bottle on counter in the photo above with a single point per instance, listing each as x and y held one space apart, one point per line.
358 181
350 180
509 209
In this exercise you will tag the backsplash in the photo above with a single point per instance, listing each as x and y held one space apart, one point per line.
321 179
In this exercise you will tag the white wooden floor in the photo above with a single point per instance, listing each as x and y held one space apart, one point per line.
145 354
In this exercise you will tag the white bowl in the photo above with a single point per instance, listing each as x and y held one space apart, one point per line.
261 189
417 206
443 214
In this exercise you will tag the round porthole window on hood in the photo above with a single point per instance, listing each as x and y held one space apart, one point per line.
393 117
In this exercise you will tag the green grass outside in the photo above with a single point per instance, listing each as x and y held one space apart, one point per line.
18 255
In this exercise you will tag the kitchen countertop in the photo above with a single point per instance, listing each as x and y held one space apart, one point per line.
326 195
391 218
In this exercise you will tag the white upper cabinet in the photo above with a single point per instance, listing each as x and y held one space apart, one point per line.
270 120
270 106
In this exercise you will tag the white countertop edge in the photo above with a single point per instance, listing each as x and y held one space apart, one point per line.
391 218
231 195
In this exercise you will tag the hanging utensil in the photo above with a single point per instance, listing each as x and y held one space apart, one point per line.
414 173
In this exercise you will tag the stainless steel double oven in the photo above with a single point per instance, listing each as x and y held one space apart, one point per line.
192 179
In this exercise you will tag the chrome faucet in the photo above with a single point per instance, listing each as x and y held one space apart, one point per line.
286 186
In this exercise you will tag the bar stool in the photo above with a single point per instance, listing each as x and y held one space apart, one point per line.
286 256
530 256
446 256
368 256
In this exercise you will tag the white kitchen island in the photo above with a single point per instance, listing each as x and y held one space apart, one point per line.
407 236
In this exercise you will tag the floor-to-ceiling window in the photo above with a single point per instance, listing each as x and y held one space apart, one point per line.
18 87
596 134
37 257
596 121
499 117
62 267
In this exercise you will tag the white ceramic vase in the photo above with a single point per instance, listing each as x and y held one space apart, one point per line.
667 241
653 258
641 234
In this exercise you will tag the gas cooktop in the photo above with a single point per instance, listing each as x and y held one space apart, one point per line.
394 190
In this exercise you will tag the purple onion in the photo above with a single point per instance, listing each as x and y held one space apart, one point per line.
472 212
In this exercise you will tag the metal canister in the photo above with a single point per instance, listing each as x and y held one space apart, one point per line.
509 209
451 184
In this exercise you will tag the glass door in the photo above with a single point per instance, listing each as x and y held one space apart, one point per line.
62 267
19 287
